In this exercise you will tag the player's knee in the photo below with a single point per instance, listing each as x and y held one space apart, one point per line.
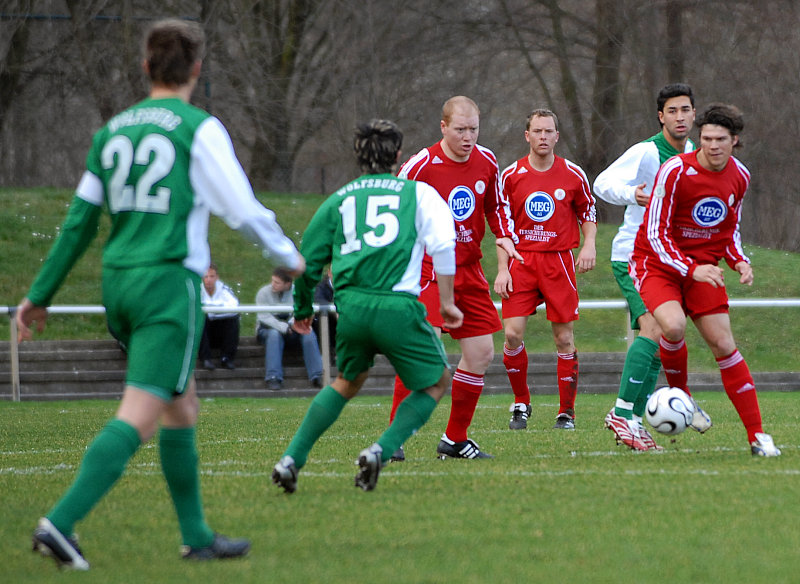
513 338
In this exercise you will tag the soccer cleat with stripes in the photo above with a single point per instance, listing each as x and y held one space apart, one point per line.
647 438
284 474
466 449
764 446
519 416
222 548
49 541
625 432
399 455
700 420
369 467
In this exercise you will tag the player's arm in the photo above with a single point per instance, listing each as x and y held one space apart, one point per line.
218 178
453 317
587 216
436 230
77 232
658 220
317 249
503 283
587 256
621 183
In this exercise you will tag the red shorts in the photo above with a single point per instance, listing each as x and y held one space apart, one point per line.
472 298
547 277
697 298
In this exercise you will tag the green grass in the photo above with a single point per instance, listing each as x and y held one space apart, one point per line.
551 506
30 219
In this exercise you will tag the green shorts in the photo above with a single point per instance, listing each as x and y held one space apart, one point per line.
155 314
393 324
636 306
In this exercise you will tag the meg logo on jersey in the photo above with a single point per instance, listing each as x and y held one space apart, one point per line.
540 206
709 212
462 202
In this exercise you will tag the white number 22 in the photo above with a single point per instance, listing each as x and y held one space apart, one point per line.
374 218
125 197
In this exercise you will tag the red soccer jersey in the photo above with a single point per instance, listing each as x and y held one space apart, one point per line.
472 191
548 207
693 216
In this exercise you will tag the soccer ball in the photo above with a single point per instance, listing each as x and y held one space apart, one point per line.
669 410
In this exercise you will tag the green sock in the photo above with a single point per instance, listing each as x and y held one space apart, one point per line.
323 411
103 463
649 385
411 415
179 463
634 374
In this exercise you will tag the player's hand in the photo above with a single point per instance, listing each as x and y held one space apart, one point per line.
710 274
27 314
642 196
453 317
303 326
745 273
586 260
503 284
508 247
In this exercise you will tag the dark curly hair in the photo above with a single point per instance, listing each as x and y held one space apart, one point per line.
376 144
722 114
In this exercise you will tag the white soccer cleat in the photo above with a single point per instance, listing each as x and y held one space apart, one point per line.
700 420
764 446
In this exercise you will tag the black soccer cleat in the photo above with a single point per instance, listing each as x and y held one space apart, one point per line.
519 416
369 467
399 455
564 422
466 449
285 474
49 541
222 548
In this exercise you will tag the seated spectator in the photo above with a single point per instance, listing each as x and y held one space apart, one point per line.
275 331
323 295
221 330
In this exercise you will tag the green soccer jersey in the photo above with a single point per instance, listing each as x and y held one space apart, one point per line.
374 232
159 168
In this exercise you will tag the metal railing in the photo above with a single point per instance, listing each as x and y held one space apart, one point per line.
324 313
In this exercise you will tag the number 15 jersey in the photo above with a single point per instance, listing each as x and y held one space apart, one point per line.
373 231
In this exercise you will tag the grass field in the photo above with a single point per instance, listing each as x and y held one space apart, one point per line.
29 221
552 506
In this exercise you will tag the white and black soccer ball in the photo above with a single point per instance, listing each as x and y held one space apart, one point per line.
669 410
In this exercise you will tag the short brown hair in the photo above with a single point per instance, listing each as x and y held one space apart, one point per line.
171 49
541 113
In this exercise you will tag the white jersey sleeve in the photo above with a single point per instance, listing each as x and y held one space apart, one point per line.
223 188
617 183
436 230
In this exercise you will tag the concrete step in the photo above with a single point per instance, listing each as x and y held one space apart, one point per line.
51 370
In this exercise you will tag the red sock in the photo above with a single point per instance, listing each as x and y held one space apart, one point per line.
674 359
741 390
567 370
516 363
400 393
466 390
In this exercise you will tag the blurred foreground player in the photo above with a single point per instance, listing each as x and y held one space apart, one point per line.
159 167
